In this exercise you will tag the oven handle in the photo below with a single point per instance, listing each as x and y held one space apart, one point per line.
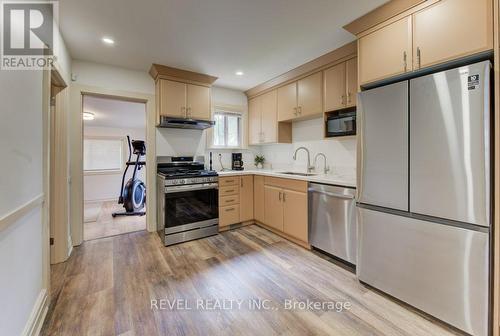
190 187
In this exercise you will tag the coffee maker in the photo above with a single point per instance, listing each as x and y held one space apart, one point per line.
237 162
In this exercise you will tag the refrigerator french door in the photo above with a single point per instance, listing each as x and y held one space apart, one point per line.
424 193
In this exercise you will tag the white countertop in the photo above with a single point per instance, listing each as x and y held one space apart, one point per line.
345 181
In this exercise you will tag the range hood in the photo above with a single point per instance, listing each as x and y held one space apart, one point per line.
170 122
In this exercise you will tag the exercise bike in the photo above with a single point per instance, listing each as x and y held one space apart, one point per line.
133 194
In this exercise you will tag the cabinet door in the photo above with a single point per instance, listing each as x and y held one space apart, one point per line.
335 87
273 207
287 102
198 102
309 95
351 67
246 198
269 122
385 52
258 197
451 29
172 98
254 121
295 214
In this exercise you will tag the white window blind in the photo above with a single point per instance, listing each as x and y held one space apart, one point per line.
227 129
102 154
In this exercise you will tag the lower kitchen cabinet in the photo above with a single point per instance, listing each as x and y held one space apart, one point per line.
246 198
229 215
236 199
273 207
258 198
295 214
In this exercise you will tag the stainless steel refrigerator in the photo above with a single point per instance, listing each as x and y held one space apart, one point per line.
424 200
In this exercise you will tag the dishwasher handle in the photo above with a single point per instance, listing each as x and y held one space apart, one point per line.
330 194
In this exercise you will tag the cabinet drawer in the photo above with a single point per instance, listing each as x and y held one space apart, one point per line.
229 190
290 184
229 200
229 215
229 181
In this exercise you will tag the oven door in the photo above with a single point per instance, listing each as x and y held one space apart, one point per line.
190 207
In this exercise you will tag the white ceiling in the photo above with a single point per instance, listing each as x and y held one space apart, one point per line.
263 38
114 113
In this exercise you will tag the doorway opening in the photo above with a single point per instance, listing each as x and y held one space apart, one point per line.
114 174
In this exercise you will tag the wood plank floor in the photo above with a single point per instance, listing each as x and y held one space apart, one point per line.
106 288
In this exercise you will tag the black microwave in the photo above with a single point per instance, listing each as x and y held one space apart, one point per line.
341 124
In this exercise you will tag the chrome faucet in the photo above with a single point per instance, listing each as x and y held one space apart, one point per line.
309 167
326 168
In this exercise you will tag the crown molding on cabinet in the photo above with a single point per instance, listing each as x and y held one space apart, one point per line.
166 72
336 56
381 14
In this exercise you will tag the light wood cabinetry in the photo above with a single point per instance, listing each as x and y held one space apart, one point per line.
246 198
263 126
258 198
181 100
425 35
386 52
295 214
301 99
285 206
273 207
229 215
451 29
340 85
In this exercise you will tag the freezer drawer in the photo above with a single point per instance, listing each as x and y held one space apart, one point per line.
442 270
383 146
449 144
332 220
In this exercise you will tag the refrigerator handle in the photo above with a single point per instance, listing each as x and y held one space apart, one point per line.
359 145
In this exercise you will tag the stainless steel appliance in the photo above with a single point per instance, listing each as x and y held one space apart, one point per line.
341 123
186 123
424 193
188 200
237 161
332 220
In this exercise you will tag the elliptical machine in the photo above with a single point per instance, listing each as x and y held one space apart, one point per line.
133 194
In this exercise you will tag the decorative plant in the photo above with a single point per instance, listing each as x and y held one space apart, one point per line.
259 160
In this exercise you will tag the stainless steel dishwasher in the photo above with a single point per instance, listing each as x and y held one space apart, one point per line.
332 220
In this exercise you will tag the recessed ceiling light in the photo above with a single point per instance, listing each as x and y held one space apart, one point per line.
239 73
88 116
108 40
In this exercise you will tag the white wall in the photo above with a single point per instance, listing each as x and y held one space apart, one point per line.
340 152
21 274
107 186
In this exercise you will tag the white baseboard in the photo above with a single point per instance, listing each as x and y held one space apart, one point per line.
37 316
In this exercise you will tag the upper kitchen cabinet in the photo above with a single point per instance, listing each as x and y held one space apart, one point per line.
263 126
451 29
340 85
181 93
386 52
421 36
301 99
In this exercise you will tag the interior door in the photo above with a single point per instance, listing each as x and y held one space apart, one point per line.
198 102
334 87
287 102
273 207
449 144
173 98
383 152
310 95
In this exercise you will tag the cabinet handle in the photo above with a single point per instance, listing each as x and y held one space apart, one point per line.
183 110
405 61
230 191
284 197
342 100
279 197
419 58
230 209
230 200
300 109
295 111
349 97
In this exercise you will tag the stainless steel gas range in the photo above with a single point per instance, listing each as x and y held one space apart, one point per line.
188 199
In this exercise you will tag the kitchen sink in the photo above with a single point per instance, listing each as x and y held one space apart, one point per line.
298 174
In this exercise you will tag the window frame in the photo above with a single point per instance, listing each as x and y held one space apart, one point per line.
228 112
105 171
